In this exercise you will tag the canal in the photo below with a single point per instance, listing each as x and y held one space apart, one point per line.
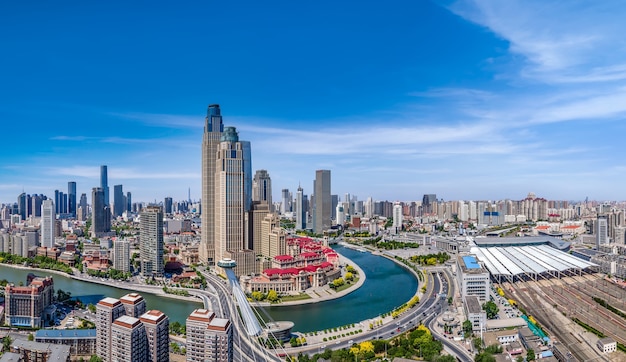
387 286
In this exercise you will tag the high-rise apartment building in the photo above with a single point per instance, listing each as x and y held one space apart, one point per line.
128 340
262 187
208 338
71 198
157 332
121 255
300 211
230 210
323 202
104 183
213 129
100 213
151 241
119 204
107 311
134 304
48 223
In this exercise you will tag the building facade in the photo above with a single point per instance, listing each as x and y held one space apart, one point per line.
323 203
473 278
107 311
48 223
24 306
128 340
157 332
151 241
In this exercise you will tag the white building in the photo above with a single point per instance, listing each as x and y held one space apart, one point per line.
128 340
602 231
151 241
398 218
121 255
607 345
48 219
473 278
341 216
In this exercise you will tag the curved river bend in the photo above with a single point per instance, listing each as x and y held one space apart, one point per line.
387 286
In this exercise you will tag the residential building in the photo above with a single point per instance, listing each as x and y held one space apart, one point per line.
107 311
208 338
134 305
48 223
398 217
81 341
157 332
219 338
151 241
128 340
121 255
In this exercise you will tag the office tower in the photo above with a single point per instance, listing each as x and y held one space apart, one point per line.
300 211
128 340
24 305
157 331
255 217
118 201
398 217
63 203
21 206
151 241
104 183
35 205
285 205
322 201
167 205
213 129
107 311
262 187
247 175
129 202
369 207
83 204
134 305
71 198
100 214
208 338
229 203
602 228
334 200
121 255
428 202
48 223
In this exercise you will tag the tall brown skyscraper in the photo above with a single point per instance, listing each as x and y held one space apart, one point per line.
213 129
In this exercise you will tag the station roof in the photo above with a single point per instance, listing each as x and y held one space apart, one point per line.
529 259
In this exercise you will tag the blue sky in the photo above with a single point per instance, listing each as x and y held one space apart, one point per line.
467 99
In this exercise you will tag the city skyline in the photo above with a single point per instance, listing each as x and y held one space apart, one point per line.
463 99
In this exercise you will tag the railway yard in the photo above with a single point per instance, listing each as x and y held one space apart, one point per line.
555 302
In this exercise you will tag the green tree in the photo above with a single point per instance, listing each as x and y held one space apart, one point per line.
272 296
91 308
491 309
530 355
519 359
484 357
6 343
31 337
477 343
467 328
95 358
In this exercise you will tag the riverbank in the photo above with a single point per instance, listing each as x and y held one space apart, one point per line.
324 293
131 287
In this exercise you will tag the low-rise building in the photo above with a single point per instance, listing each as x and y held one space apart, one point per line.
24 306
475 313
607 345
82 342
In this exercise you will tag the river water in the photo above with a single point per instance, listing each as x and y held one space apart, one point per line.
387 286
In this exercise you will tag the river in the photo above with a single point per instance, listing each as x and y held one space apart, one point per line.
387 286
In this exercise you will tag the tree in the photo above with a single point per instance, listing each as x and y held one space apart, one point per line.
91 308
95 358
31 337
349 276
530 355
6 343
467 328
484 357
272 296
477 343
519 359
491 308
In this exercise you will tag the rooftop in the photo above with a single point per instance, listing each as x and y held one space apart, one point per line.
65 333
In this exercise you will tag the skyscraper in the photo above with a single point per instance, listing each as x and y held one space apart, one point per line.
262 187
285 205
104 183
213 129
129 202
48 217
323 201
21 205
100 214
71 198
167 205
602 237
151 241
82 205
118 201
247 175
398 217
121 255
300 213
230 201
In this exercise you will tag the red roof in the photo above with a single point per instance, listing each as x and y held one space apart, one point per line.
309 255
283 257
